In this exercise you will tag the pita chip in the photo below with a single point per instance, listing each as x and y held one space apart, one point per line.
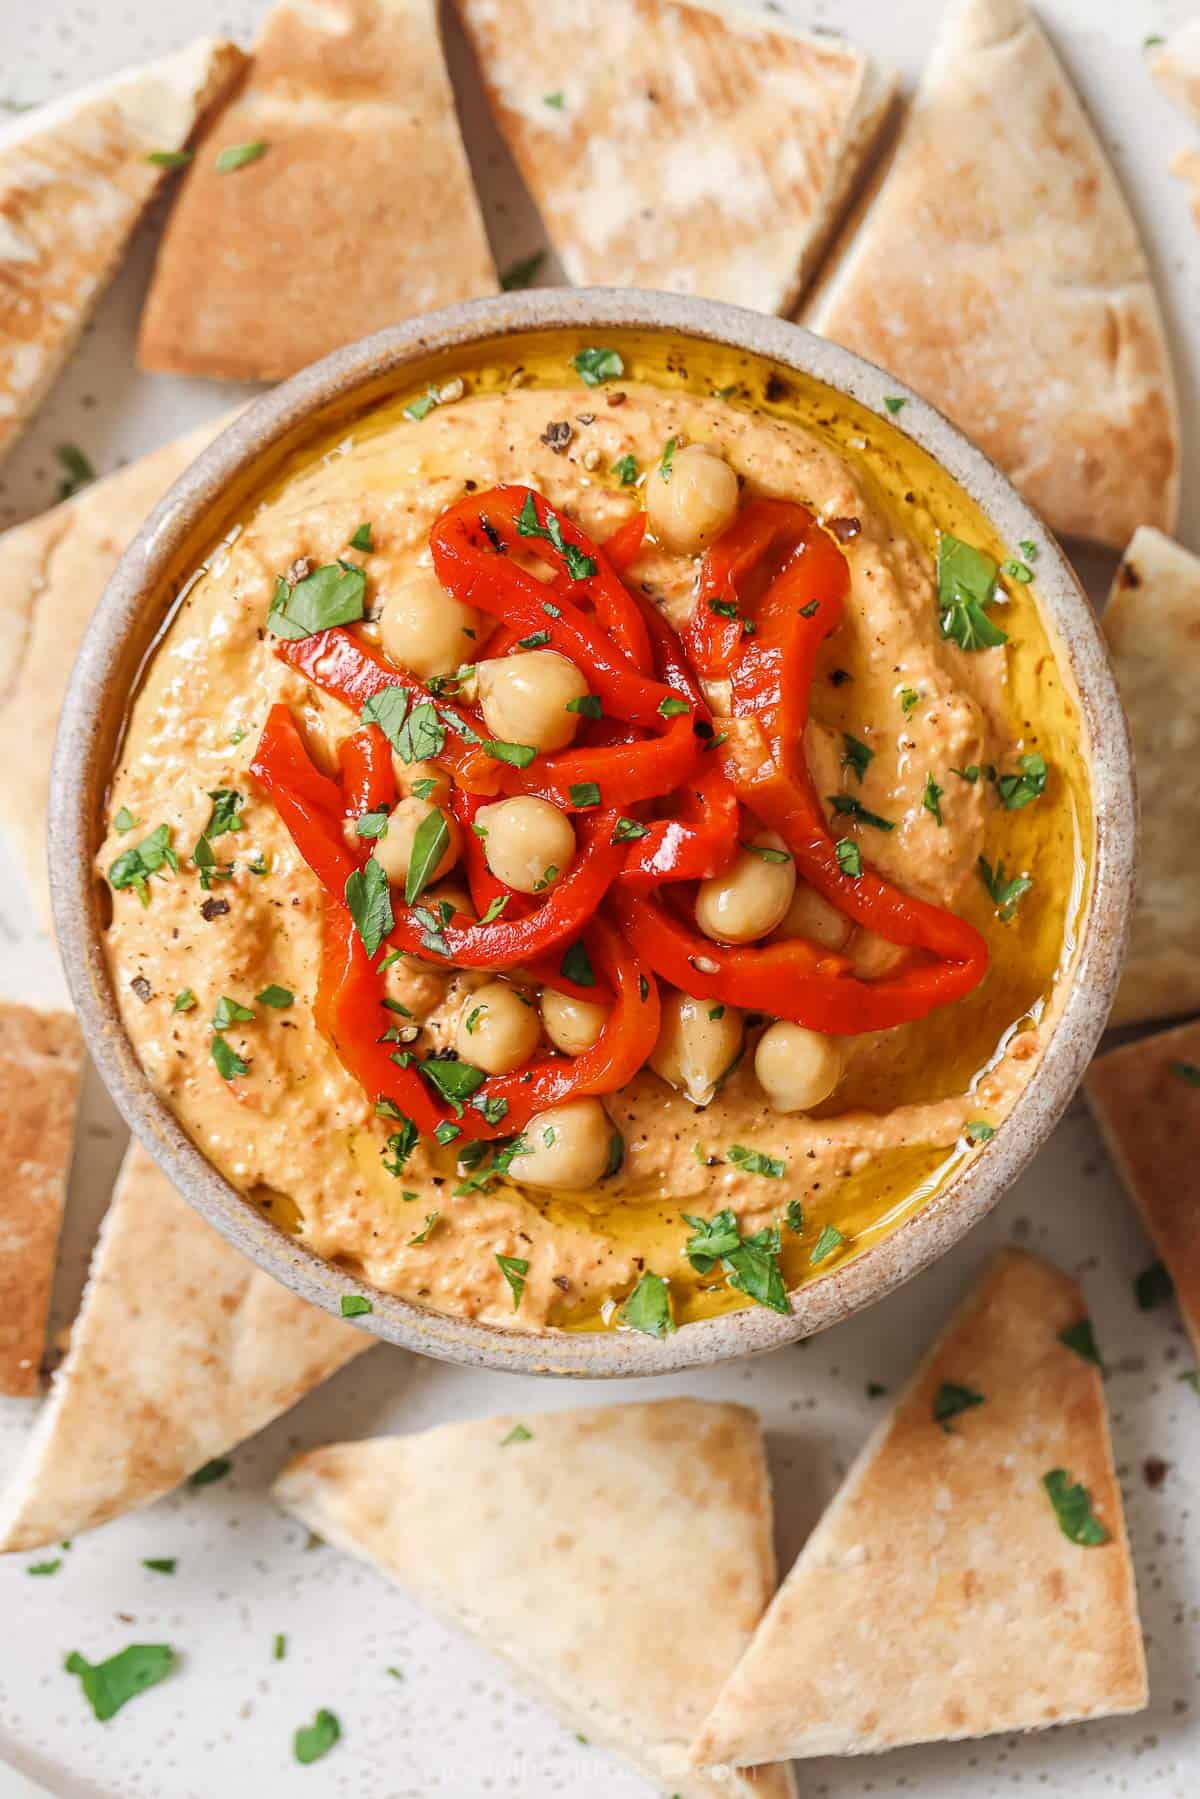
484 1521
999 272
1187 167
939 1596
1152 623
182 1348
679 144
1175 66
52 572
359 208
1145 1097
41 1066
75 178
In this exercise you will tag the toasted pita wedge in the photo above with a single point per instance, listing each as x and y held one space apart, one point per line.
41 1063
1176 68
1153 627
685 146
939 1597
1187 166
485 1521
182 1348
999 272
360 210
1146 1099
52 572
74 180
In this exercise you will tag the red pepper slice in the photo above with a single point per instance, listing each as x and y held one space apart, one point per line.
368 773
309 803
699 841
621 548
765 533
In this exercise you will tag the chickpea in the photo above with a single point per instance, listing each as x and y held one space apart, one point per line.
524 698
693 501
416 774
874 956
424 629
452 894
752 896
497 1028
797 1068
572 1025
529 844
699 1040
812 916
394 851
569 1147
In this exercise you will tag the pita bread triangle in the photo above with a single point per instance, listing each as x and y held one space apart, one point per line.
181 1349
1146 1100
998 270
41 1065
617 1558
938 1597
679 144
1187 167
75 177
360 209
1152 623
53 570
1175 66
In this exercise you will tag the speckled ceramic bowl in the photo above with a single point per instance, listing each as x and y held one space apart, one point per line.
131 615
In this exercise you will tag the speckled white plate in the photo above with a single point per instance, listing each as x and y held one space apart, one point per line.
453 1728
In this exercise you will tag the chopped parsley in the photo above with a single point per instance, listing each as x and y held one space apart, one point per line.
829 1240
587 705
852 807
751 1264
212 1471
793 1217
534 641
576 966
1005 893
517 755
125 821
279 1647
111 1684
1028 549
970 774
666 467
230 1011
1018 571
369 899
169 159
672 707
160 1564
1187 1072
978 1130
362 538
909 700
514 1269
401 1143
521 274
629 830
895 403
51 1567
966 587
421 407
1019 790
134 867
597 365
625 468
951 1399
431 840
1073 1509
857 755
422 736
1153 1286
518 1434
648 1307
456 1081
583 794
229 1064
330 595
185 1000
753 1161
849 857
355 1305
580 566
1082 1339
445 1133
372 825
932 798
426 1231
236 156
556 100
77 470
495 908
314 1740
766 852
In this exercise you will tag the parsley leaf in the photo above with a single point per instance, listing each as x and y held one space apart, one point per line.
951 1399
576 965
1005 894
648 1307
355 1305
1152 1286
751 1263
362 538
909 700
77 470
279 998
755 1162
625 468
966 587
849 857
125 821
932 798
400 1144
858 755
230 1011
236 156
666 467
517 755
133 867
314 1740
330 595
829 1240
850 806
1082 1339
672 707
1073 1509
456 1081
185 1000
978 1130
514 1269
580 566
111 1684
369 899
422 737
587 705
628 830
427 1230
210 1472
521 274
519 1433
584 794
229 1064
431 840
1187 1072
895 403
794 1217
597 365
1021 789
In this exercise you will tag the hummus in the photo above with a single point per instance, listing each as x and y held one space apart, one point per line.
945 728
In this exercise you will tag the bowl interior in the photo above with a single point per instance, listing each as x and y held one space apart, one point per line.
761 363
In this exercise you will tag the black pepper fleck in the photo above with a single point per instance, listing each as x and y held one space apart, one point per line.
214 908
558 435
142 988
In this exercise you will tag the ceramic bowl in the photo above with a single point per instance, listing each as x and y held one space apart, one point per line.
131 614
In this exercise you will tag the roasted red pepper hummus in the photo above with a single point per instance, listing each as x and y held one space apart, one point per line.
580 856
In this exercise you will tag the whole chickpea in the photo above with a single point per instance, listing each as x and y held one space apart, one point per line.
692 499
424 629
797 1068
570 1147
524 698
698 1042
528 843
812 916
874 956
497 1028
572 1025
393 851
753 895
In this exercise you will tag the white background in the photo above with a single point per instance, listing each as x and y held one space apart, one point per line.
452 1726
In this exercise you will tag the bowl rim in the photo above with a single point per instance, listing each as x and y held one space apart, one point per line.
84 754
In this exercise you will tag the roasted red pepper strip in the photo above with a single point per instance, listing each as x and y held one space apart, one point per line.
353 672
309 803
701 840
368 774
349 1011
736 565
622 547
